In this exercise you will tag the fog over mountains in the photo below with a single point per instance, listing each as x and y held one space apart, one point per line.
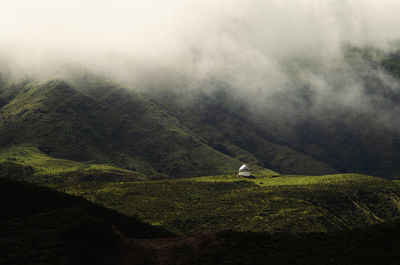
202 38
123 124
317 77
259 48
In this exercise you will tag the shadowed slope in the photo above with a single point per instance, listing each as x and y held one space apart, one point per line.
106 124
42 226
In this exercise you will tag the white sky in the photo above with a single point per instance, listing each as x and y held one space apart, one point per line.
170 32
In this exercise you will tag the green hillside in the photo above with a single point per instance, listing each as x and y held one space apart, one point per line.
126 170
265 203
289 131
105 125
27 163
171 130
42 226
234 132
327 142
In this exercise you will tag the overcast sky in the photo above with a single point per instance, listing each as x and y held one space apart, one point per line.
243 42
159 30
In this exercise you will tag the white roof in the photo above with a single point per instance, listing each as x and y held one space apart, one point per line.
244 168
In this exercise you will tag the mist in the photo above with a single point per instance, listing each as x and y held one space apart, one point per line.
265 51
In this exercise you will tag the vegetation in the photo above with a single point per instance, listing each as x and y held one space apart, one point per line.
172 132
91 120
30 164
133 170
264 203
41 226
391 63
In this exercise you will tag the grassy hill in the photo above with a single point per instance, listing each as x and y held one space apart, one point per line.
39 225
281 203
173 131
27 163
268 202
333 140
106 124
293 130
234 131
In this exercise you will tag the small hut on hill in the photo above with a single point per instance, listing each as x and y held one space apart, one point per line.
244 171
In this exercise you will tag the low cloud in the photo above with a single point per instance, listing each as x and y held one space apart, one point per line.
262 49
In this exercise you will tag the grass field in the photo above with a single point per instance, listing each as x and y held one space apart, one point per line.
264 203
49 169
267 202
42 226
269 180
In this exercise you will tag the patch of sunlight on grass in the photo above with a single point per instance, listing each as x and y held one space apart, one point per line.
291 180
45 165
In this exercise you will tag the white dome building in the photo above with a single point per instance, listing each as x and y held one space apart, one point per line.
244 171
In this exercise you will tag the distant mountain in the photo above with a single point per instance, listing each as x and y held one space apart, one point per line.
171 131
291 133
93 120
340 141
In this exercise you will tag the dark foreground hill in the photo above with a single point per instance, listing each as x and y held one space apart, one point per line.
42 226
373 245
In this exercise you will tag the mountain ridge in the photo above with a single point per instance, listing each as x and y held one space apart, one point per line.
173 131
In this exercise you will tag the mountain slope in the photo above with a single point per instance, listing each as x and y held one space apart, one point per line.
107 125
233 132
174 130
290 132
